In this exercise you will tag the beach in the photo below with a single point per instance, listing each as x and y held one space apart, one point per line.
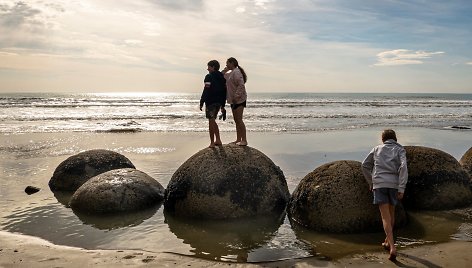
26 251
30 159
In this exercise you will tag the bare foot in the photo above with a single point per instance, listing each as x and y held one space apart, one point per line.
393 256
212 145
242 143
218 143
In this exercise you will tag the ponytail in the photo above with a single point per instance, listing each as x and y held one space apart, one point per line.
236 64
244 73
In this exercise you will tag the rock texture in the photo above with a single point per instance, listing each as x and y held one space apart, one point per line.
228 181
77 169
436 180
335 197
117 191
466 162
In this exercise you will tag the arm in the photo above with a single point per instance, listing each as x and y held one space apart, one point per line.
402 172
223 100
206 91
367 167
240 88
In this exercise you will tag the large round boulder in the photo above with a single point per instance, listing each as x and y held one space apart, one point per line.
336 198
77 169
117 190
436 180
466 162
228 181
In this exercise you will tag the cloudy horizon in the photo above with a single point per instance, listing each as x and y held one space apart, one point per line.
285 46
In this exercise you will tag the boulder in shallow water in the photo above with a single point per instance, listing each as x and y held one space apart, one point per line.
228 181
436 180
77 169
117 190
466 162
336 198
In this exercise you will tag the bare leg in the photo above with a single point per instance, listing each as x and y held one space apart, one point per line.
387 225
240 126
235 118
214 133
392 217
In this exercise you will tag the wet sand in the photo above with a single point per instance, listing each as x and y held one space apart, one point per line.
30 159
26 251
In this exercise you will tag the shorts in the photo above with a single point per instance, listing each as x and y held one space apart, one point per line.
211 111
235 106
385 196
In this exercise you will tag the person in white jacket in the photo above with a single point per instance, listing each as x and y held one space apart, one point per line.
236 96
386 171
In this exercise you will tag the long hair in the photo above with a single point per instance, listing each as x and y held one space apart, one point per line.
236 64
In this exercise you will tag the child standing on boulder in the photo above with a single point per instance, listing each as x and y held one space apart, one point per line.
214 98
385 169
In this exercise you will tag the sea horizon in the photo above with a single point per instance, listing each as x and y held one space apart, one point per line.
266 112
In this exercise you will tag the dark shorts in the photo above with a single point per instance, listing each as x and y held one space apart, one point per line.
211 111
385 196
235 106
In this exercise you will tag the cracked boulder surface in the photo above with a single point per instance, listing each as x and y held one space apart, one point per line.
436 180
77 169
117 190
224 182
336 198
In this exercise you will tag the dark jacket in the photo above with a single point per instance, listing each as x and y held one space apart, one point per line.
214 90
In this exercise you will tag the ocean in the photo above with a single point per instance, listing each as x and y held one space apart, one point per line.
266 112
159 131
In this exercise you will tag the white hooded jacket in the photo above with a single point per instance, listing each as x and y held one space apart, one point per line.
385 166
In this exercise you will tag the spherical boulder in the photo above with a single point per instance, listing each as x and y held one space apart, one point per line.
77 169
436 180
117 190
466 162
228 181
335 198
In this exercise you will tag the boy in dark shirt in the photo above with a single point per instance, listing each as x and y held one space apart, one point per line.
214 98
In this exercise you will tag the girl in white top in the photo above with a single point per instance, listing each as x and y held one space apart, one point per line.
236 96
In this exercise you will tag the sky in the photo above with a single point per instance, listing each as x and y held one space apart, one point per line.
419 46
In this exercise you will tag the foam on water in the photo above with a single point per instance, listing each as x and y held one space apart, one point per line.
164 112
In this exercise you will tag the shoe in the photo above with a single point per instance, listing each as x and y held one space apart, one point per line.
223 115
386 246
392 257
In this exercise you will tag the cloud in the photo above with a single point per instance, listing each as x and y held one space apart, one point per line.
403 57
469 63
18 14
8 54
27 25
179 4
32 17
